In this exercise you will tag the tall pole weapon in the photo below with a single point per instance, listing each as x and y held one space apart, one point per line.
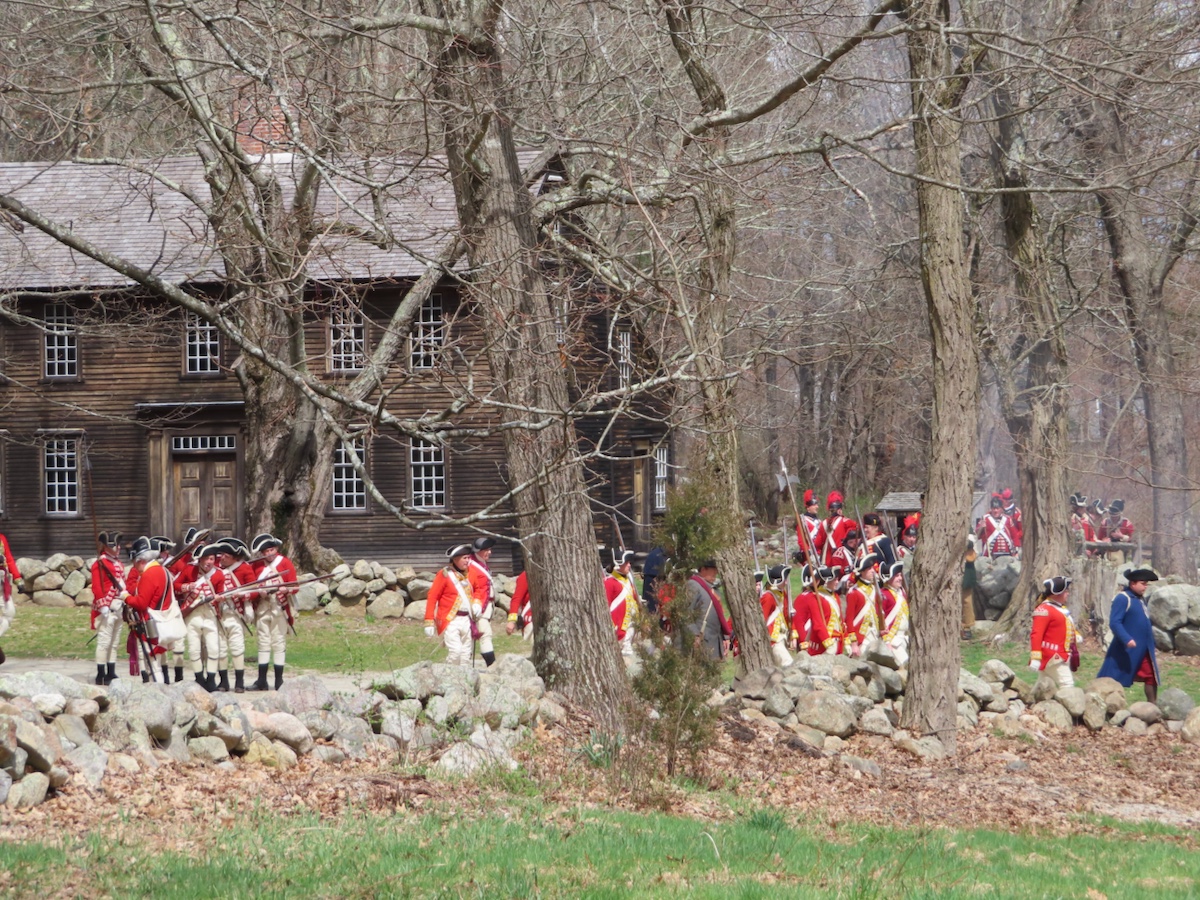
810 549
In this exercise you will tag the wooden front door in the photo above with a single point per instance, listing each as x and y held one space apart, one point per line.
205 494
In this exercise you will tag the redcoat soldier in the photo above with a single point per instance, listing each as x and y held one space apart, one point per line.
8 576
1117 528
1014 514
846 557
817 616
810 522
231 613
622 599
908 536
862 623
1053 643
520 615
1081 525
273 607
199 584
485 592
166 547
893 612
835 527
875 541
451 606
108 596
774 600
150 590
996 532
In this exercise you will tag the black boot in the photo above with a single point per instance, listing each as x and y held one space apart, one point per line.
210 683
200 680
111 675
167 675
239 683
145 678
224 685
100 673
261 684
489 658
178 673
278 677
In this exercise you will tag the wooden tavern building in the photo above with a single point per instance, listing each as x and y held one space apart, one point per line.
120 408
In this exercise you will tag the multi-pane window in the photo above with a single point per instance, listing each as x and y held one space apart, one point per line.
347 339
349 489
61 342
624 357
203 347
661 477
428 334
427 475
60 475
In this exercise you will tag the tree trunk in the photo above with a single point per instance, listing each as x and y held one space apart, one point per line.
932 690
574 649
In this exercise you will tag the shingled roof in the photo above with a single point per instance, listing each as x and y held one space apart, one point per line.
136 211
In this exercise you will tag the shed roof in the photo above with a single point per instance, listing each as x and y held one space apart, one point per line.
910 501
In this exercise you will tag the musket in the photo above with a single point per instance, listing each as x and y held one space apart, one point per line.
862 535
200 538
810 548
617 530
754 550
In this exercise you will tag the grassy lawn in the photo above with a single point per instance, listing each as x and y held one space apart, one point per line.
345 643
525 850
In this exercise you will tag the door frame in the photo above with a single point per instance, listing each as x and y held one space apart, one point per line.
162 458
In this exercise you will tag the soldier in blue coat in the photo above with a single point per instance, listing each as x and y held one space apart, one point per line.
1130 656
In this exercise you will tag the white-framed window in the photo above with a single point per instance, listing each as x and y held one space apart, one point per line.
203 346
60 342
349 489
60 475
624 357
347 339
427 475
428 333
203 443
661 476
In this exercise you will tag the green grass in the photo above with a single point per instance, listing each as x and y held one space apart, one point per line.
345 643
529 850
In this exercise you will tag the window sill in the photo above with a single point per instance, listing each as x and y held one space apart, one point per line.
61 379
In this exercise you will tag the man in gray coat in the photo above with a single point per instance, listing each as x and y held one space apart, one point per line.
707 623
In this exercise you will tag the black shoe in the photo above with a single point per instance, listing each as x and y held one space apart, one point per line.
200 680
111 675
210 683
224 684
488 659
178 673
278 677
100 674
261 684
167 675
145 678
239 681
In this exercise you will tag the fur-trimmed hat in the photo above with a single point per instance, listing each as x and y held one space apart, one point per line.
810 497
141 549
263 541
1006 494
483 543
1056 586
778 574
834 499
620 557
109 538
1077 499
1147 575
996 500
458 550
1116 507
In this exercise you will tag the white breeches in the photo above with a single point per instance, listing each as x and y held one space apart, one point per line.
1060 672
231 640
457 638
7 610
108 638
899 645
780 651
485 632
527 634
202 634
270 630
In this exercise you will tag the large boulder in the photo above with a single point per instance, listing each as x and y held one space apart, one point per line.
42 744
1146 711
757 684
418 589
150 704
1044 688
1163 641
305 694
997 670
975 687
350 590
827 712
283 727
1191 727
1111 690
388 605
1053 714
1187 642
309 596
74 583
1175 704
1170 604
8 740
363 570
30 570
778 704
29 791
208 749
53 599
1073 700
91 761
996 580
48 581
1094 711
415 610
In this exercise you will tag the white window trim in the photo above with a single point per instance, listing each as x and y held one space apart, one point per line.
662 476
347 339
425 487
624 357
349 492
202 346
71 482
428 334
60 342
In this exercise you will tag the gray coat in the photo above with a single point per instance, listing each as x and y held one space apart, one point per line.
704 620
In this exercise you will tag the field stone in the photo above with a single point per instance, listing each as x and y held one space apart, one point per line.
465 759
31 568
284 755
151 705
208 749
1187 642
6 784
305 694
16 765
328 754
41 743
1191 727
1146 711
398 726
974 686
28 792
1054 714
414 610
388 605
89 760
322 724
997 670
926 748
1163 642
882 655
778 703
418 589
48 581
74 583
1095 711
52 599
826 712
350 590
261 752
1044 689
85 709
1073 700
185 715
85 598
1120 717
49 705
73 729
29 684
123 762
308 596
1168 605
1023 690
968 713
876 721
796 683
282 727
757 684
8 739
1175 703
858 764
1135 726
1111 690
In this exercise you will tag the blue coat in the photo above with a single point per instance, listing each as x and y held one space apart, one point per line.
1129 622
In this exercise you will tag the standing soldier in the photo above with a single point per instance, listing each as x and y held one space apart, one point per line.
845 557
231 613
774 600
893 612
995 531
875 541
451 606
520 614
1081 525
108 596
166 547
862 600
1117 529
622 599
200 583
484 587
8 576
817 621
151 589
834 527
1130 655
908 537
810 521
708 626
1054 641
1014 515
273 607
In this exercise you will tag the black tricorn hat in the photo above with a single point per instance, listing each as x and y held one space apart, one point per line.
1077 499
1057 585
620 557
1132 575
826 573
1117 506
778 574
867 562
141 548
109 538
483 543
896 568
264 541
458 550
1097 506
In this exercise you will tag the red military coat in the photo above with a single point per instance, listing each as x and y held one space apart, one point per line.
451 594
774 606
998 536
861 613
620 592
108 576
1053 634
193 588
275 572
816 531
10 574
835 528
519 610
817 621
